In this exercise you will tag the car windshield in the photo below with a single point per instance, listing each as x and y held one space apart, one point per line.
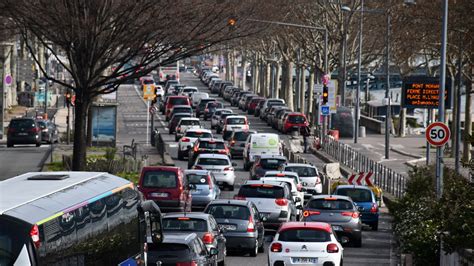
224 115
182 110
190 123
214 145
184 224
212 161
215 105
261 191
160 179
178 117
197 179
332 204
236 121
357 195
167 251
179 101
275 103
271 164
229 212
304 235
198 134
296 119
241 136
42 124
205 101
22 123
302 171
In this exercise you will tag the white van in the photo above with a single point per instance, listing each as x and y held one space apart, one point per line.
258 144
196 98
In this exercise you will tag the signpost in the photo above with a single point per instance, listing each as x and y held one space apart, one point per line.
148 95
325 110
437 134
361 179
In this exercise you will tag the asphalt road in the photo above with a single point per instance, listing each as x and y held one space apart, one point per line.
377 245
21 159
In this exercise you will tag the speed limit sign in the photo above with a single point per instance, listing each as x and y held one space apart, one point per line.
437 134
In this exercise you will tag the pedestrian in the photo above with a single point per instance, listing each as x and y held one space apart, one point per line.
305 131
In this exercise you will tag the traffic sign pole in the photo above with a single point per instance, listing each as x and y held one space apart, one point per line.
147 122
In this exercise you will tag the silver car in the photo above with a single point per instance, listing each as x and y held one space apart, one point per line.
220 165
206 187
216 116
236 142
308 173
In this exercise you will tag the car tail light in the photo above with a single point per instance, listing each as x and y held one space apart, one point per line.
228 169
239 197
185 139
276 247
196 148
281 202
197 167
280 175
206 110
11 130
34 234
353 214
232 143
309 213
318 180
374 208
178 129
332 248
250 226
299 187
208 238
191 263
34 130
222 151
45 130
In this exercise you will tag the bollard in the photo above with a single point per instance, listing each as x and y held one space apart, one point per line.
362 132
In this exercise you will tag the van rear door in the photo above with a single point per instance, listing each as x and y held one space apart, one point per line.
14 242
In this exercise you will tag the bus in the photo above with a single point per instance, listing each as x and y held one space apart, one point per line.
169 71
74 218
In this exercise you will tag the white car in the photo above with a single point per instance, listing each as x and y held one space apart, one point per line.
292 179
189 91
216 116
184 124
196 98
187 141
159 91
305 243
234 122
309 174
220 165
259 144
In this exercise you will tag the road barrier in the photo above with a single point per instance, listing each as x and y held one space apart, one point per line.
384 177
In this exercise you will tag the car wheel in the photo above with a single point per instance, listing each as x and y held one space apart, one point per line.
254 251
342 261
261 249
375 226
222 262
38 144
246 166
357 242
176 138
180 155
9 144
230 187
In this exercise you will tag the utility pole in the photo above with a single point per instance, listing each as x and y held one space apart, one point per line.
388 119
359 67
46 84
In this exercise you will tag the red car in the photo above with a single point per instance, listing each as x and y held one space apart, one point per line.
253 104
167 186
175 100
294 121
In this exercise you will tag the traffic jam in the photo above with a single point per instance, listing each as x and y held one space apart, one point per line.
278 208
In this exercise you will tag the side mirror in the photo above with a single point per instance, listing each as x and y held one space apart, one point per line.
304 184
213 251
297 199
222 229
263 218
299 207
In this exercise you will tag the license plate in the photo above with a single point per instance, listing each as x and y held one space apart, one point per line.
229 227
22 134
161 195
304 260
337 228
215 170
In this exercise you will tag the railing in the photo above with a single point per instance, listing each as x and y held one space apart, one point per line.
158 142
387 179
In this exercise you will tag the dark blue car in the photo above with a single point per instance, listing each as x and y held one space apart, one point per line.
365 200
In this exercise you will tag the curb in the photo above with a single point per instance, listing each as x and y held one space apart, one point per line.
406 153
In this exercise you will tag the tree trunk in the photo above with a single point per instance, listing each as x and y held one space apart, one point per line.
79 148
289 84
244 70
310 96
466 155
268 78
302 89
402 122
277 80
454 119
89 127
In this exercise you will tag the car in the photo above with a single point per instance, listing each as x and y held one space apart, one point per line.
203 225
294 121
295 185
204 145
340 212
220 165
282 118
216 115
210 108
202 106
187 141
178 89
49 131
244 229
173 123
189 91
220 125
197 96
253 104
273 112
169 83
206 189
273 200
184 124
236 142
159 91
23 131
236 97
229 90
309 174
268 112
171 101
305 243
258 108
216 81
179 109
224 85
364 198
268 103
166 186
244 100
278 113
233 122
259 144
265 163
181 249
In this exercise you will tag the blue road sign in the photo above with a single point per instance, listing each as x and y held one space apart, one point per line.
324 110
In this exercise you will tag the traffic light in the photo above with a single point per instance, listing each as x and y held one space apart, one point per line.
68 99
325 94
231 22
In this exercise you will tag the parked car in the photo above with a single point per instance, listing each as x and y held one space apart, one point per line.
365 200
258 108
260 144
203 225
181 249
187 141
210 108
294 121
216 116
166 186
223 86
204 145
273 200
215 85
309 174
220 165
264 163
234 122
242 222
245 100
267 105
202 106
253 104
206 190
173 123
282 119
23 131
277 116
184 124
236 97
236 142
179 109
306 243
49 131
340 212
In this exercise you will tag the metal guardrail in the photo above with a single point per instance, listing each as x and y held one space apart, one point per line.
158 142
387 179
